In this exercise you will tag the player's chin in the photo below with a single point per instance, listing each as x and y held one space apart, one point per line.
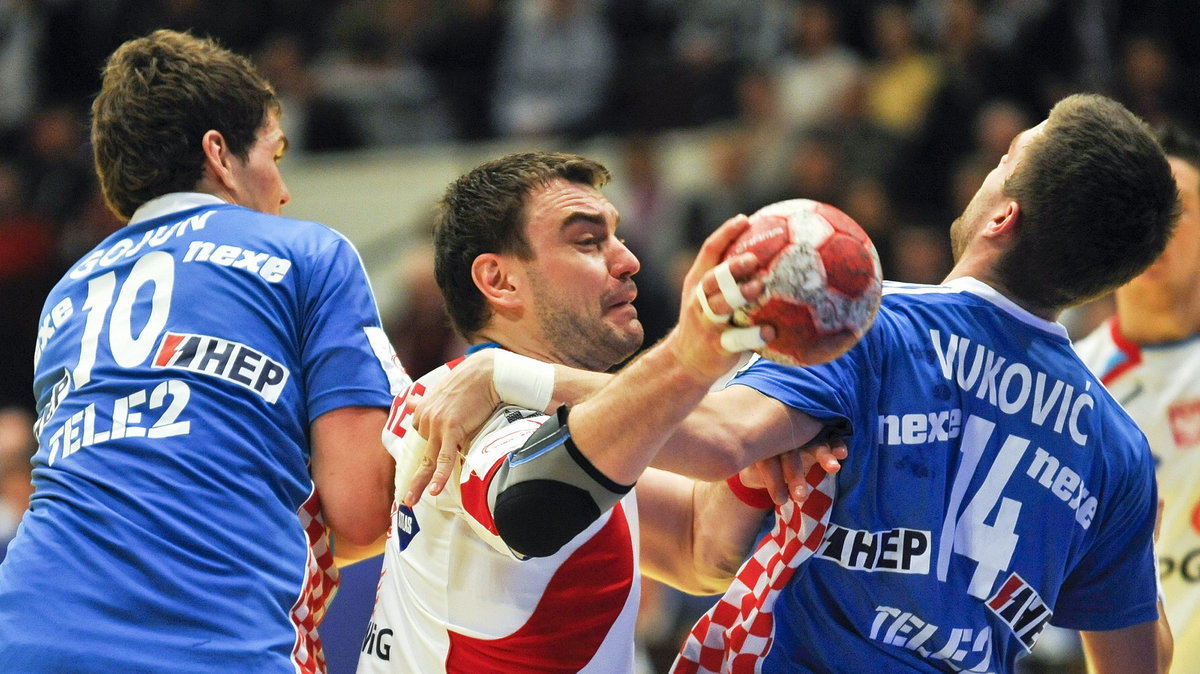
629 332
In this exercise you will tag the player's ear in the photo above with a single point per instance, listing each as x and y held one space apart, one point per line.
1004 222
498 279
218 160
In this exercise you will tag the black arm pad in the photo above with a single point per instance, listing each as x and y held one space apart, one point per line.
537 517
547 492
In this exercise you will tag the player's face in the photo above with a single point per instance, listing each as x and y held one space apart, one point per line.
259 183
1174 272
990 195
580 280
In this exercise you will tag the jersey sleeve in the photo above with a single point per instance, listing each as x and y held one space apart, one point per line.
834 393
346 358
1115 584
488 452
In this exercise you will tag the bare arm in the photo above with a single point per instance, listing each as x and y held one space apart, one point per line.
694 535
1132 650
731 429
353 473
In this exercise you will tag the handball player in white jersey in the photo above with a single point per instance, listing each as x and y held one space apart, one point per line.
529 560
1148 356
992 485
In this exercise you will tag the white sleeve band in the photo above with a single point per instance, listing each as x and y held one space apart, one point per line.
736 340
729 286
522 381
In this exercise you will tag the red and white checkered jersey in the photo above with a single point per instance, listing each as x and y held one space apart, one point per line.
452 597
739 629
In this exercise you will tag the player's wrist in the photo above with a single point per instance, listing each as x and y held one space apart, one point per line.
751 496
522 381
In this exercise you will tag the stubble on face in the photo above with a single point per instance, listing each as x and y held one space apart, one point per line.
582 336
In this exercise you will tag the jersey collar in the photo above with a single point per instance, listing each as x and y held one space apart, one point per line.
984 291
171 203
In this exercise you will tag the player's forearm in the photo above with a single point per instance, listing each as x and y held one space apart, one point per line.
723 530
573 386
731 429
621 428
695 535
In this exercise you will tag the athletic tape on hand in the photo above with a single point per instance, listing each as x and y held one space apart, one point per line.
522 381
712 315
729 286
736 340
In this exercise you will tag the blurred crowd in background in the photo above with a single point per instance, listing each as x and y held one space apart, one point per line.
892 110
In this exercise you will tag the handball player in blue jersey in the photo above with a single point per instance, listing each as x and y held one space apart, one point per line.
211 384
992 485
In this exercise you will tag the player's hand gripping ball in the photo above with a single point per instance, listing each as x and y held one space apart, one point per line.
822 280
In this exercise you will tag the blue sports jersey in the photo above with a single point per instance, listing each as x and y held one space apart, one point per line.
175 525
992 487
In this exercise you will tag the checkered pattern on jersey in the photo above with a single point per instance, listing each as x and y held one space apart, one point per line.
319 587
737 632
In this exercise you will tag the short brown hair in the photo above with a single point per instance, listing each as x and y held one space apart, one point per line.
160 94
483 211
1098 204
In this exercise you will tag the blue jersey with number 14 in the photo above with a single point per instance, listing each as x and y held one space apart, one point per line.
175 525
993 487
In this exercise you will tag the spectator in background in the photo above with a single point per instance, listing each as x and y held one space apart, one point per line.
728 190
816 68
420 329
902 78
460 51
20 37
652 227
555 62
867 203
867 148
57 168
371 69
816 172
28 268
17 446
766 134
314 122
1150 81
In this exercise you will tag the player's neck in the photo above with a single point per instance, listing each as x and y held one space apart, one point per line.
518 341
1155 318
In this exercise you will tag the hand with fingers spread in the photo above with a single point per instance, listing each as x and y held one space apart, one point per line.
704 340
446 416
785 476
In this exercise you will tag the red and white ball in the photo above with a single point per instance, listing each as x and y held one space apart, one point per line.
822 277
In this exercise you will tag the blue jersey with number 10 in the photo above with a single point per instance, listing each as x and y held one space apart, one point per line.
175 525
993 487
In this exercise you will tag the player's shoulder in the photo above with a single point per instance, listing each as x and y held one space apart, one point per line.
280 227
506 430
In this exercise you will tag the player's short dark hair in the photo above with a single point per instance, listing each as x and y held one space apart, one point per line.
1098 204
1180 143
484 211
160 94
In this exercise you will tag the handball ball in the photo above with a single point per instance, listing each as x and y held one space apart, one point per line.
822 280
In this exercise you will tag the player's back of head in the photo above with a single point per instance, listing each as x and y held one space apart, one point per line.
1097 203
159 95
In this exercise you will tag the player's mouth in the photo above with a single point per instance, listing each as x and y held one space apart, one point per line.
622 298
